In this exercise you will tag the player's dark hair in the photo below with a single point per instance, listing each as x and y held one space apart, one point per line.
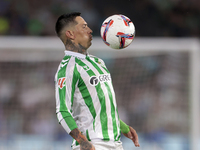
65 20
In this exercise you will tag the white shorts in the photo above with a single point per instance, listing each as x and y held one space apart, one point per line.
103 145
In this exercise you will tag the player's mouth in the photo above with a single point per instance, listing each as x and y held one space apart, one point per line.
90 37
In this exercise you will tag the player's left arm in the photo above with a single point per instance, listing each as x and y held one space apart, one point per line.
129 132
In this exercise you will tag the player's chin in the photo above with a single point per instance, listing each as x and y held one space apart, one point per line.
89 43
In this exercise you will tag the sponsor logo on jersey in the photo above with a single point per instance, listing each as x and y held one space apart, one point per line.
61 82
94 80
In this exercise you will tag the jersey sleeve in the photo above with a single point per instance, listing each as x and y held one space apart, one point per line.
65 83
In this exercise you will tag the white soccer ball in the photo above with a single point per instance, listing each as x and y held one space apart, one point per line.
117 31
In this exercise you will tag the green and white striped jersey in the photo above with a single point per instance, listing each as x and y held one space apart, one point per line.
85 97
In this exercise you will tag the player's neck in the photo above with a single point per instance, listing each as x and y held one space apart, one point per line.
76 48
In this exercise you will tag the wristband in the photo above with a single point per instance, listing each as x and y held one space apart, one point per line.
124 127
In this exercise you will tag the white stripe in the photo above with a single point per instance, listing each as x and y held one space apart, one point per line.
57 92
69 78
75 54
59 116
65 126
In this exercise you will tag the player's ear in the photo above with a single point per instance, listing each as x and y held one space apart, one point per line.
70 34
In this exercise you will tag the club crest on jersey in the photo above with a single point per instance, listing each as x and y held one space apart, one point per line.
94 80
61 82
86 68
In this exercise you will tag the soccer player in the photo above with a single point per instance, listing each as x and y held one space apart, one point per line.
85 99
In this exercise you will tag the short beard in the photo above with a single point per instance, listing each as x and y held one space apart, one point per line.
69 45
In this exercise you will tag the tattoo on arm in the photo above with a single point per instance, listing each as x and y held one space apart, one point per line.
81 139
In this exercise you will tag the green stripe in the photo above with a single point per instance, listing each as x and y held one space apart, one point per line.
101 96
115 131
87 135
85 93
62 96
77 143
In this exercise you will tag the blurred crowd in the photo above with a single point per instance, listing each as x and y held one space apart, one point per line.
151 17
153 92
27 99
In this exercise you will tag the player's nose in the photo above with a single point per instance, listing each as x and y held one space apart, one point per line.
90 30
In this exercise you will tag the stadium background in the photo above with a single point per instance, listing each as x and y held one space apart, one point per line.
153 96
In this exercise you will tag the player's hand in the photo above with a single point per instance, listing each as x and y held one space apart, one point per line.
81 139
86 146
132 134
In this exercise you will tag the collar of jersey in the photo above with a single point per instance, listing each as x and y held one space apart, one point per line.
75 54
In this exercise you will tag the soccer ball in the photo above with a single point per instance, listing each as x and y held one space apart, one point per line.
117 31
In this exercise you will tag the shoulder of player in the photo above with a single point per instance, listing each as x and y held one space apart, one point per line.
65 61
96 58
92 56
72 62
66 67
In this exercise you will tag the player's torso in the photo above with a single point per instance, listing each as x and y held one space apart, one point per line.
94 102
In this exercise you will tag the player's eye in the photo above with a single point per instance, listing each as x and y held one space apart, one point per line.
85 25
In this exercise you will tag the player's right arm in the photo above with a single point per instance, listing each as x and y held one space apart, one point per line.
65 84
